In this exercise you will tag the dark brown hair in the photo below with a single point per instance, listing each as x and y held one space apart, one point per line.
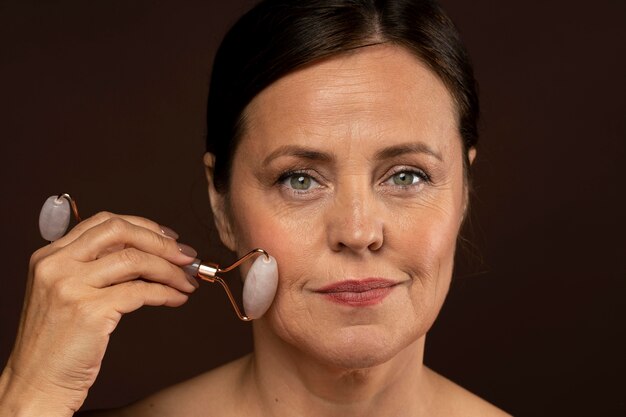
277 37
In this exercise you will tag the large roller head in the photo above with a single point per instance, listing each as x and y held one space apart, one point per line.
259 287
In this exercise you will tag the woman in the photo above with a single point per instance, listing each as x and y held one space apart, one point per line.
340 134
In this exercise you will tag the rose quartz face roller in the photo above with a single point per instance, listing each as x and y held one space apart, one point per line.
259 287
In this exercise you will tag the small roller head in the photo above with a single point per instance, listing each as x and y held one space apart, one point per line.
54 218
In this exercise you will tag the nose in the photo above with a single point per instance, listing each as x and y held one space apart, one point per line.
354 223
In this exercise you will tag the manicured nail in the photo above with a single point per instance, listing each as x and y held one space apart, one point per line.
192 280
192 268
168 232
187 250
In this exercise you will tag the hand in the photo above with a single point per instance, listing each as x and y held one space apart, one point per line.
78 289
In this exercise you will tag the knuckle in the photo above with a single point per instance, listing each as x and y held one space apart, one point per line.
44 268
162 293
138 289
36 257
136 286
131 257
161 243
65 291
117 230
116 225
103 216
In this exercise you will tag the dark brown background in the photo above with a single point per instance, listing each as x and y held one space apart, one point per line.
106 100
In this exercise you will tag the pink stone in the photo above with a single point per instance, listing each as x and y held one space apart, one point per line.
259 287
54 218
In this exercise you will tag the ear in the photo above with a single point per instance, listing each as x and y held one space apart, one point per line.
218 205
471 156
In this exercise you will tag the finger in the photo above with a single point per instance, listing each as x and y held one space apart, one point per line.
131 263
103 216
118 232
129 296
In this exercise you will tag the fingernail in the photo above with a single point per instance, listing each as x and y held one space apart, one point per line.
192 280
168 232
187 250
192 268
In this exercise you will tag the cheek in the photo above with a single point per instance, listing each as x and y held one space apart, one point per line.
425 233
287 241
422 243
429 244
287 238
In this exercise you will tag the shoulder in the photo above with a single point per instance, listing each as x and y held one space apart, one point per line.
450 399
210 393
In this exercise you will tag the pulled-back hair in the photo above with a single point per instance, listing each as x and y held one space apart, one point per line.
277 37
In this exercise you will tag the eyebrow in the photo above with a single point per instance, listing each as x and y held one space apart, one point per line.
300 152
408 148
386 153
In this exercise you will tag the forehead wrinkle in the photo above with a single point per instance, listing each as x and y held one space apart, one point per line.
347 99
346 94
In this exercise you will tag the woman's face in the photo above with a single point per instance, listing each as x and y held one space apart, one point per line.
350 174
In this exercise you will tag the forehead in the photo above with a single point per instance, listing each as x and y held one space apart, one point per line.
377 92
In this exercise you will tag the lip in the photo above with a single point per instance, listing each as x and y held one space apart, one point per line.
358 292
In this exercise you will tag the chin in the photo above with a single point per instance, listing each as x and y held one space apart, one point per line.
350 339
360 347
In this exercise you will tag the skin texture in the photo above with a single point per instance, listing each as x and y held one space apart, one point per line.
356 223
348 126
373 141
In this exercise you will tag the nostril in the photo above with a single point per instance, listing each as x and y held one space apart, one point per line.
371 240
376 245
353 223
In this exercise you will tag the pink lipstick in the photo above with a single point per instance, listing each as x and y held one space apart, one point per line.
358 293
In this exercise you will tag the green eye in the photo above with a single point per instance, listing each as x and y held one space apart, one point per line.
300 182
405 178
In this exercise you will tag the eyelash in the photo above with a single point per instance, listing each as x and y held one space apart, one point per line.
424 178
291 173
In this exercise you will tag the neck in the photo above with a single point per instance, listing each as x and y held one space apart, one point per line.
286 382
